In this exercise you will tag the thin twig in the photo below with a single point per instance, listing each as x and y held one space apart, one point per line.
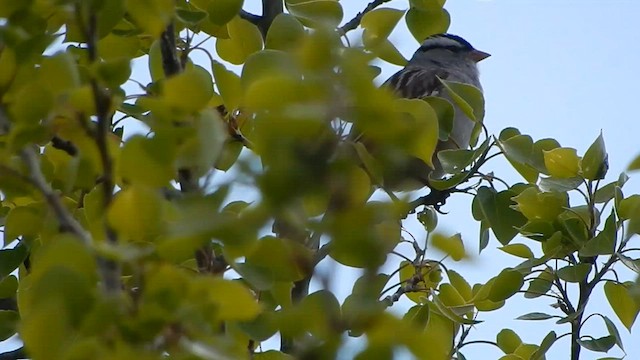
355 22
67 222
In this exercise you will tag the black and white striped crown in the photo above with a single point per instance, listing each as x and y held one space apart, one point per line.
446 41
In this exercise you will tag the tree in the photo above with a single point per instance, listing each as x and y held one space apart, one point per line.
127 245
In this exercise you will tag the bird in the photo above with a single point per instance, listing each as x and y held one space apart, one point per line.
440 56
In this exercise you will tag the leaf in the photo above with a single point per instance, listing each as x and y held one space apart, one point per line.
613 331
136 213
10 259
191 17
450 245
378 24
546 344
223 11
425 128
451 315
604 242
8 323
550 184
190 90
460 284
201 150
467 97
540 285
519 250
622 303
505 285
147 161
285 33
228 84
430 274
535 316
536 205
428 217
316 13
602 344
151 15
594 164
496 208
423 22
233 301
508 341
633 264
8 287
562 162
574 273
244 40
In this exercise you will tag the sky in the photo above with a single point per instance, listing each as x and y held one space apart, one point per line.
559 69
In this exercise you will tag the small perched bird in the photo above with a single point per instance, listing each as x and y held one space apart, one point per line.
448 57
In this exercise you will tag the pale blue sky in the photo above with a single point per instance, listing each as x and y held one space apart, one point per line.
560 69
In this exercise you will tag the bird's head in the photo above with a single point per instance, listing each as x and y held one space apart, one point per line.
447 48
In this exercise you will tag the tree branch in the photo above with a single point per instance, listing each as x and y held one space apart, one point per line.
355 22
67 222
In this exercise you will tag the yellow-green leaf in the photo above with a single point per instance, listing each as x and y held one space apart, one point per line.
229 86
622 303
152 16
316 13
285 33
190 90
378 24
562 162
450 245
423 23
136 213
244 39
519 250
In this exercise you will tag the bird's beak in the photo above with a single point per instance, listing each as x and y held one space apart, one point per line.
477 55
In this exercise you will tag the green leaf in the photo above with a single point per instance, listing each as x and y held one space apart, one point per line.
602 344
497 209
536 205
450 245
23 220
113 72
428 217
540 285
59 72
633 264
268 64
423 22
535 316
136 213
147 161
425 128
418 315
8 323
189 91
456 160
285 33
546 344
562 162
505 285
10 259
613 331
519 250
8 287
388 52
508 341
378 24
200 151
518 149
445 112
152 16
550 184
280 259
467 97
605 242
244 40
191 16
316 13
430 274
622 303
594 164
452 315
223 11
272 355
233 300
229 86
574 273
460 284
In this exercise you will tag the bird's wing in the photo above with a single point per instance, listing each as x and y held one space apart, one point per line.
416 82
